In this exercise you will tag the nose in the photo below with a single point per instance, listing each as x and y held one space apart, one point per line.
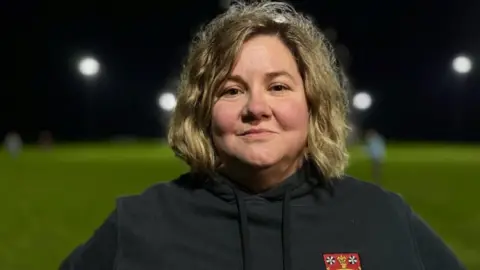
257 106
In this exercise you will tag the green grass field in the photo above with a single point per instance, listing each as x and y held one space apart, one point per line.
51 201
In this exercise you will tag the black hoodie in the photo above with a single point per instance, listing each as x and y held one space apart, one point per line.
305 223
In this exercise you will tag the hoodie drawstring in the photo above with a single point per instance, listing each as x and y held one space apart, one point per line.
286 244
245 234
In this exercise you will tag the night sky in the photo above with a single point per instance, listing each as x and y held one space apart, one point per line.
401 52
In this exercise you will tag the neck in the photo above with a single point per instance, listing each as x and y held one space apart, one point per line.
261 179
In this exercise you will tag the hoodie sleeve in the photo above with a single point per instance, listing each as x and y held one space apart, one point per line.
99 252
434 253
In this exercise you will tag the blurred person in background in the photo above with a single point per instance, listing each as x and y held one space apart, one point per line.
352 138
376 151
13 144
261 121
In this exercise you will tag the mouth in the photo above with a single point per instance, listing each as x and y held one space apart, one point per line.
256 132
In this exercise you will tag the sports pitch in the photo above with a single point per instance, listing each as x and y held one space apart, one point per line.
52 201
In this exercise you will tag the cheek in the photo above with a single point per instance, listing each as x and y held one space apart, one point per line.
224 119
293 115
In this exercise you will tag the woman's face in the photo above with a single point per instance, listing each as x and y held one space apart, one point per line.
260 115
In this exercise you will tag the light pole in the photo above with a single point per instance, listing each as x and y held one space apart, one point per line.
89 68
462 66
166 102
361 103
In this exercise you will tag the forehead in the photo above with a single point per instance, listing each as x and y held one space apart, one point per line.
263 54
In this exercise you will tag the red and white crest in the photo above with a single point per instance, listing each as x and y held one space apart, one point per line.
342 261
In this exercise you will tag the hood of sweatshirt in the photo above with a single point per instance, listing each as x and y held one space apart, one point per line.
303 182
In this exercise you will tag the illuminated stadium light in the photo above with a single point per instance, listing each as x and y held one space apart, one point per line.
462 64
88 66
362 101
167 101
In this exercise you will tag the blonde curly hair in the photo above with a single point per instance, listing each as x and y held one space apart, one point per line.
211 58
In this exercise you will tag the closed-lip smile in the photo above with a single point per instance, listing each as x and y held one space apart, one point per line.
254 131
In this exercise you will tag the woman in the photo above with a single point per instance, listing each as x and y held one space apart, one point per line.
260 120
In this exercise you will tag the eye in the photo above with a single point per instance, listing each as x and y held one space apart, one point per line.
231 92
279 87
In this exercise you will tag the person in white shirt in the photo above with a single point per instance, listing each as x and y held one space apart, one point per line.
375 146
13 144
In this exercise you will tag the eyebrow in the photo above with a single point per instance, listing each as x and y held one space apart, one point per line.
274 74
269 75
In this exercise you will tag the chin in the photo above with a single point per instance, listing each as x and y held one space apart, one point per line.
260 161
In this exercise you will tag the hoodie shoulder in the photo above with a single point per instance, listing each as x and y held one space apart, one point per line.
365 194
99 252
132 214
432 251
157 196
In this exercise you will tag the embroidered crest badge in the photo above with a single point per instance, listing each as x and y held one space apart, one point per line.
342 261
